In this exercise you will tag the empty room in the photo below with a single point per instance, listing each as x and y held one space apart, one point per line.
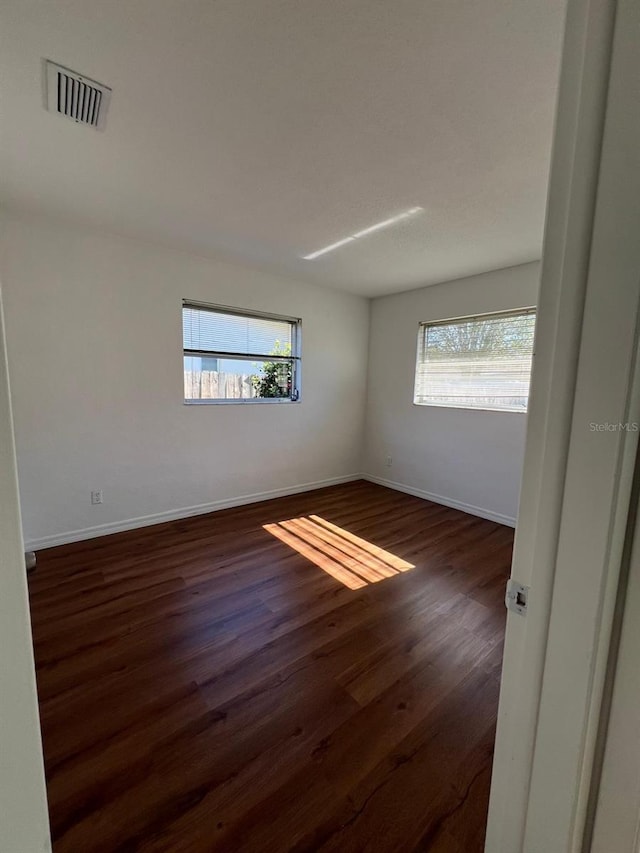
271 278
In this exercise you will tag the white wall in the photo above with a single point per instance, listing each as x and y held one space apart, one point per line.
95 357
24 823
465 458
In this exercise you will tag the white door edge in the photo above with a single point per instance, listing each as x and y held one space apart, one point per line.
24 821
565 271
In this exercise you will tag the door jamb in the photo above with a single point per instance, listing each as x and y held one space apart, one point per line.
578 135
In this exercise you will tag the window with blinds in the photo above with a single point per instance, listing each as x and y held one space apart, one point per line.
235 356
476 362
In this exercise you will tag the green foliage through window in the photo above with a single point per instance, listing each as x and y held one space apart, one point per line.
275 379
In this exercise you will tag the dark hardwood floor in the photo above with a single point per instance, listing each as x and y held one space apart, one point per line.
204 686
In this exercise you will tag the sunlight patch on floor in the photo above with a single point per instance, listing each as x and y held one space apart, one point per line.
353 561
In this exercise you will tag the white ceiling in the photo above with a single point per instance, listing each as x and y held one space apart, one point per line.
267 129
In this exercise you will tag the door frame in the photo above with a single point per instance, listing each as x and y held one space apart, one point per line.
24 819
576 480
613 824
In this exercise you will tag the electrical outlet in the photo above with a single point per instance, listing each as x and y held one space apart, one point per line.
388 462
96 497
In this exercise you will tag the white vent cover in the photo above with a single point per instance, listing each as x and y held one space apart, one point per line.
75 96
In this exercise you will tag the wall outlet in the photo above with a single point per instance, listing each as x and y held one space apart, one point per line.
388 462
96 497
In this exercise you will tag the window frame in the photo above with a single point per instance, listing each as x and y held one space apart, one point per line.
295 358
510 312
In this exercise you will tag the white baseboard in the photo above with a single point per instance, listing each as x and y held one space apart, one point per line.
175 514
201 509
439 499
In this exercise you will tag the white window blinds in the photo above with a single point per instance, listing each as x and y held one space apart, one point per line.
221 332
476 362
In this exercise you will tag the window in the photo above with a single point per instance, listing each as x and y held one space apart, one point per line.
476 362
234 356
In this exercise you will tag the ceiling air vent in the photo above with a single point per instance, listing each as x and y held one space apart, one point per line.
75 96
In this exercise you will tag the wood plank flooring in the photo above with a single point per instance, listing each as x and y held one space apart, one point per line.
267 679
